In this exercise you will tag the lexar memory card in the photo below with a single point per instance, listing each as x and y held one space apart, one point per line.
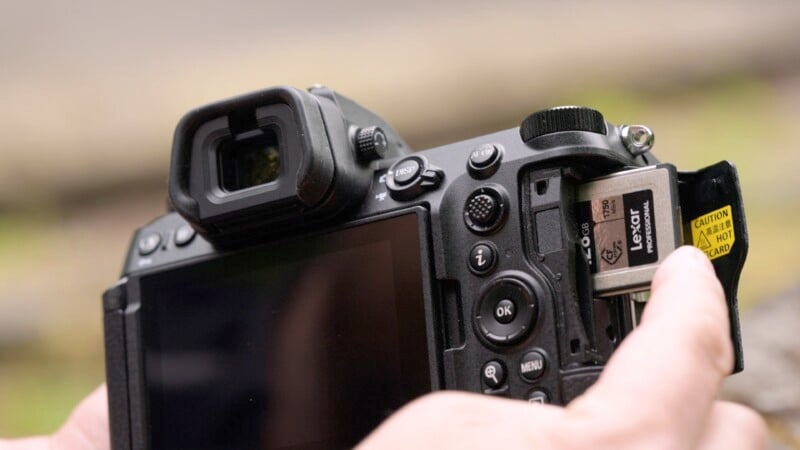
628 223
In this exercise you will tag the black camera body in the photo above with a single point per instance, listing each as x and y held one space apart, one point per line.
316 274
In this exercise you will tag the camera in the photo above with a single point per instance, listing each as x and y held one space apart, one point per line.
314 274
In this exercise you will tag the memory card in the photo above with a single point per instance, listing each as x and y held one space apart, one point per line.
628 223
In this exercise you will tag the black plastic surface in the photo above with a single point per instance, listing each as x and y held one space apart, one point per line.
114 303
705 191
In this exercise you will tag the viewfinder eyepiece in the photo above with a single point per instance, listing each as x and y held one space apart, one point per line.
249 162
254 166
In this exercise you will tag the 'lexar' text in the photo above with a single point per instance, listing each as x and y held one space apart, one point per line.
636 228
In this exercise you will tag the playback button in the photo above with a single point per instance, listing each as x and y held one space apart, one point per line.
538 397
482 258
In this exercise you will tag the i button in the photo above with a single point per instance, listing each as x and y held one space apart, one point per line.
482 258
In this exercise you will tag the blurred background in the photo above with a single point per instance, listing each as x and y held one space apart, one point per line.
90 92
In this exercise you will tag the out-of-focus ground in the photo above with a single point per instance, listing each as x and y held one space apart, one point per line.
92 90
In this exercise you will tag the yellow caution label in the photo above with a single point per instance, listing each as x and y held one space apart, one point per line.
713 233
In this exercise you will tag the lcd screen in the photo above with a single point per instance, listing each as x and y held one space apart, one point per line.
305 344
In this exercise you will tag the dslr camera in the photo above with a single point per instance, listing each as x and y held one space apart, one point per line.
314 274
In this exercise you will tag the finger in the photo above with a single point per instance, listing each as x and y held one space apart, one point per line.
36 443
668 371
734 427
465 421
87 426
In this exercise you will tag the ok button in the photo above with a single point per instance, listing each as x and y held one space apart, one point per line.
505 310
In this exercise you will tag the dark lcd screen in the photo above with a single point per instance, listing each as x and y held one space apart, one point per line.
307 344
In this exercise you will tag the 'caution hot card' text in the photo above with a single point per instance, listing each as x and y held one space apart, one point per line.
713 233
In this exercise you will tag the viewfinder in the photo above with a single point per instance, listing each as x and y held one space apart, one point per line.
249 162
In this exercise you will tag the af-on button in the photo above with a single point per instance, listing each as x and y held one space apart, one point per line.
484 161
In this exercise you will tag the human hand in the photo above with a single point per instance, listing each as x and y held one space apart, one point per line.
86 429
657 392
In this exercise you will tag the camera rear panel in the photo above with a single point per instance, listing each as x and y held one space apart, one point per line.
519 318
488 243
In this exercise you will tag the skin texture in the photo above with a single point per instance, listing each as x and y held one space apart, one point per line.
657 392
85 429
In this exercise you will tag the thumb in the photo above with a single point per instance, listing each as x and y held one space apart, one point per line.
671 366
87 426
86 429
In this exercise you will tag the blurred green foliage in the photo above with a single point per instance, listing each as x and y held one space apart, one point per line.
743 119
39 391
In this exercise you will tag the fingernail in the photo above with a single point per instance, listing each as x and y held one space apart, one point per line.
698 256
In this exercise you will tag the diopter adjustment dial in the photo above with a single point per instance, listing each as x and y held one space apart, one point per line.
371 144
411 176
562 118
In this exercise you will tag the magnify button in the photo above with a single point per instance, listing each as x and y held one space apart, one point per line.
493 374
